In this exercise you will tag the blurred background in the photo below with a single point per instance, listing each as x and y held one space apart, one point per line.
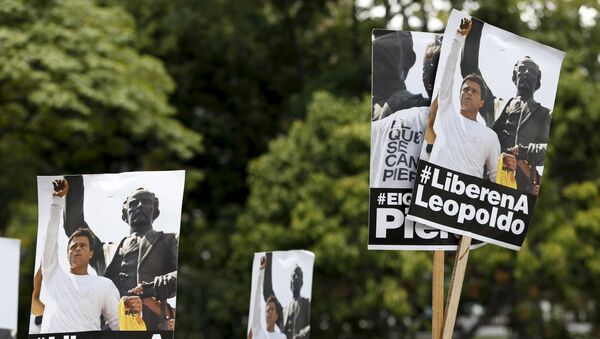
266 105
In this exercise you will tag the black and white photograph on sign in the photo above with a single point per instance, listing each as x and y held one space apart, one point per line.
404 68
495 92
10 255
281 295
106 256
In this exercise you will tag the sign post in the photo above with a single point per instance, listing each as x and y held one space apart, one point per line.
456 282
437 318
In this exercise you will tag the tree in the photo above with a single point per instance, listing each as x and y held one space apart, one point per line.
246 70
75 97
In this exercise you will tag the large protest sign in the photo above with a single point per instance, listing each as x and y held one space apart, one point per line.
107 247
495 93
281 295
404 67
9 293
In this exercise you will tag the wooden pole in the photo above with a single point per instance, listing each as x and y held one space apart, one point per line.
458 276
437 320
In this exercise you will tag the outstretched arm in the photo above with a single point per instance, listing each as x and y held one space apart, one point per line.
50 252
74 219
256 311
447 81
268 288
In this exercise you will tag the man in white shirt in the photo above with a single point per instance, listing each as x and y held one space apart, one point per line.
462 144
271 313
75 300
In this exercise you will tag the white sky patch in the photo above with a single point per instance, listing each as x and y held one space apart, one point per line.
587 16
364 3
528 15
395 22
377 12
435 24
415 22
470 6
441 5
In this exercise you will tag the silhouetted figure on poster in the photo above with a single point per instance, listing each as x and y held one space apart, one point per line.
431 60
393 57
396 111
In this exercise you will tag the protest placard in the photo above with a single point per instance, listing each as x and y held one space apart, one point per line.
107 247
495 92
281 295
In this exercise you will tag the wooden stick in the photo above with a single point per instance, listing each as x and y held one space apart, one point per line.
438 295
458 276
